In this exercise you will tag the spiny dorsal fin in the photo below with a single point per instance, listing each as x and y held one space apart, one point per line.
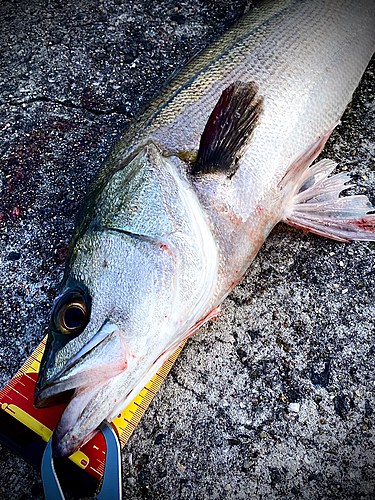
228 128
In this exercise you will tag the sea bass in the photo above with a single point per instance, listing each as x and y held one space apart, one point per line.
188 195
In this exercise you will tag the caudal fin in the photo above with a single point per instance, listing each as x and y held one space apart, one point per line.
317 207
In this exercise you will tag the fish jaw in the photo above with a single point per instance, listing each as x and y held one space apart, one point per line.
92 404
103 379
91 367
67 437
85 375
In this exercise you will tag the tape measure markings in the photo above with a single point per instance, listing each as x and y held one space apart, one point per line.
99 471
129 422
20 393
43 421
147 389
140 406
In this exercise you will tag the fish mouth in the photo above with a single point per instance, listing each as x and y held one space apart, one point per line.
41 401
79 384
74 429
98 384
106 359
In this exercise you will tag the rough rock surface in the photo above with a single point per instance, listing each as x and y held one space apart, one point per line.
275 399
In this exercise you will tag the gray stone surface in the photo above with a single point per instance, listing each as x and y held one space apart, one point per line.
275 399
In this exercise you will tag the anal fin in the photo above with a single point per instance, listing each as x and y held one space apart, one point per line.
317 207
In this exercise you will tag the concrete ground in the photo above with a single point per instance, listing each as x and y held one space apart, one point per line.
275 399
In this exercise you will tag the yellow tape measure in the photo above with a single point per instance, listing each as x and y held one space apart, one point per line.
16 399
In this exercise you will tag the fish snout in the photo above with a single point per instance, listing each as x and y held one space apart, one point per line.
108 358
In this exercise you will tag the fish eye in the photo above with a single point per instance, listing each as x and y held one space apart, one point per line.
70 314
74 317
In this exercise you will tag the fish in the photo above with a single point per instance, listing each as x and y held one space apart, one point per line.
183 203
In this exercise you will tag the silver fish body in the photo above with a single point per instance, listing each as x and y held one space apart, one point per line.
158 245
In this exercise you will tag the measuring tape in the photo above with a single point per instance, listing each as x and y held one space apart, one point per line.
16 400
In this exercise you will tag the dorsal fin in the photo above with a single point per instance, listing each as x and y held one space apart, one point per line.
229 126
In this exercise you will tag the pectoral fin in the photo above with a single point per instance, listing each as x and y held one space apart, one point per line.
228 128
317 207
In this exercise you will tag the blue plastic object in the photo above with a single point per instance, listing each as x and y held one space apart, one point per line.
111 487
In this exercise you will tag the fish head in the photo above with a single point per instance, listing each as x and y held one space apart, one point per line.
140 274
